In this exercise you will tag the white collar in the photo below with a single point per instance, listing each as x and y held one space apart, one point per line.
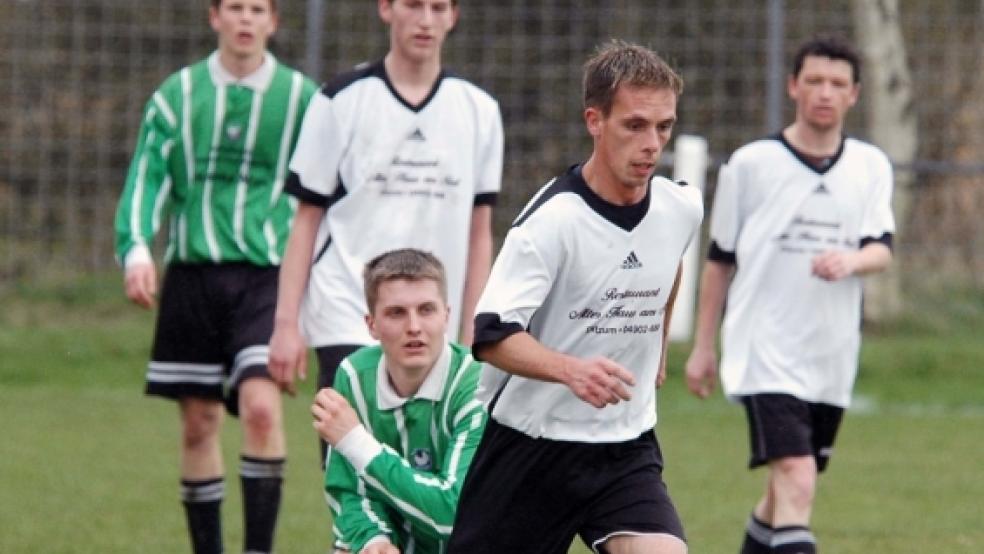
431 389
258 80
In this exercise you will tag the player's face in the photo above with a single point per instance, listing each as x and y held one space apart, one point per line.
418 27
409 321
823 91
631 138
243 26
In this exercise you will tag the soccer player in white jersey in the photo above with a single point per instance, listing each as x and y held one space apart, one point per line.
398 153
402 419
211 160
798 219
573 326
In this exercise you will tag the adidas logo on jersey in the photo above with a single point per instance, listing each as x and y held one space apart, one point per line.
417 135
821 189
632 261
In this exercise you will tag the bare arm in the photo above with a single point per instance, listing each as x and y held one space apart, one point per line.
288 352
667 318
702 363
597 381
477 272
834 265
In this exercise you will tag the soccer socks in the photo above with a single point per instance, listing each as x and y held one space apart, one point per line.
202 500
261 480
758 537
794 539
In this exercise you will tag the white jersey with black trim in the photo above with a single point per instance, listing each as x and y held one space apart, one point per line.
391 175
786 330
586 278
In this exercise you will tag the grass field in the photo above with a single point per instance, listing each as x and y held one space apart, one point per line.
89 464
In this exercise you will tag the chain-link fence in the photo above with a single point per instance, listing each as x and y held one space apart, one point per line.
74 75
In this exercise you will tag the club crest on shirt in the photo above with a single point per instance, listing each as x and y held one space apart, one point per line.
234 131
421 459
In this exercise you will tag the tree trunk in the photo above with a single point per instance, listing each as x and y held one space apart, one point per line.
892 125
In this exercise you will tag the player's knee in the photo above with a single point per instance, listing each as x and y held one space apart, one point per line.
795 480
200 426
260 415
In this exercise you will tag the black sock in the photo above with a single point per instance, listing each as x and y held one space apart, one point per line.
758 537
794 539
202 501
262 480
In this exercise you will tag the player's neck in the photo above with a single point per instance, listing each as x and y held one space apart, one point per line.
238 66
406 382
603 182
812 141
413 80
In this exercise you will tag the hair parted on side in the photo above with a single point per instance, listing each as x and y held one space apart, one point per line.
618 63
828 47
405 263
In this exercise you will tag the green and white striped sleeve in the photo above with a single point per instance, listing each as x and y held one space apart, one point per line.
357 519
148 182
428 500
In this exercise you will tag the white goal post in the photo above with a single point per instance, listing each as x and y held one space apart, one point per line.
690 165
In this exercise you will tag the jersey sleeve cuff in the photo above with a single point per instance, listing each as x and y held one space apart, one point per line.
295 188
490 329
486 199
138 255
885 239
374 540
359 447
717 254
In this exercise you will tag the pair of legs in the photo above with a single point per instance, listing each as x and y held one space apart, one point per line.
261 465
210 354
534 495
794 438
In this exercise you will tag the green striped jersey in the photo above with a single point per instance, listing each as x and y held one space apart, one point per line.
211 158
407 487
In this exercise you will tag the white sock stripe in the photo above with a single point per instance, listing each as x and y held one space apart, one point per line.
759 532
792 536
252 469
210 492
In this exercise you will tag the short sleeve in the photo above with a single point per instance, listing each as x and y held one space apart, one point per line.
319 151
878 219
725 215
520 280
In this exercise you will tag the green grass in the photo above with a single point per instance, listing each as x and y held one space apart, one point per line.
89 463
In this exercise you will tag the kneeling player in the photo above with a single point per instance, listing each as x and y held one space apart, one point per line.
401 420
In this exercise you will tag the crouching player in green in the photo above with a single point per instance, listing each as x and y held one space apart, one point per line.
401 421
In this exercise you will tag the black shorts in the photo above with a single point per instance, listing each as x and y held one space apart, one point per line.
329 358
535 495
213 331
781 425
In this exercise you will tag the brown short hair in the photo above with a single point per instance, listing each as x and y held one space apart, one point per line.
618 63
406 263
217 3
832 47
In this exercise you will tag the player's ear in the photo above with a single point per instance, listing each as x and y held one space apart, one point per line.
371 326
593 119
386 10
213 17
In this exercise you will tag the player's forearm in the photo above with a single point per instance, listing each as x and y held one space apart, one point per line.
521 354
477 272
872 258
714 283
295 269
